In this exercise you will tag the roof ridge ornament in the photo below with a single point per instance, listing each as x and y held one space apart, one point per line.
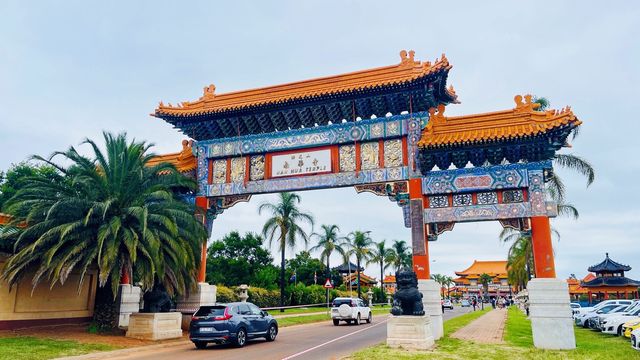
209 92
527 106
407 58
436 115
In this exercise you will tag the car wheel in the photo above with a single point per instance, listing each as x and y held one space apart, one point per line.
200 344
358 319
241 338
619 332
336 322
370 318
272 333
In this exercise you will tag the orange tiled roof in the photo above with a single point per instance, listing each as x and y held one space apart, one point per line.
184 160
575 286
364 278
521 121
406 71
389 279
461 280
494 268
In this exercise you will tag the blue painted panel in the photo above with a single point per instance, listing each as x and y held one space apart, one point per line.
477 213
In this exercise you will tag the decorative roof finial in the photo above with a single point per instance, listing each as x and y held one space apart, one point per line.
607 255
209 92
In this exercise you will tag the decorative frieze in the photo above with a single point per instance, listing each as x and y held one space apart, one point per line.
512 196
238 166
438 201
220 171
256 172
393 153
347 158
462 200
487 198
369 155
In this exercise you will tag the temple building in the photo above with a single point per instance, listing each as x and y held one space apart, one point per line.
468 280
366 280
575 286
610 281
389 284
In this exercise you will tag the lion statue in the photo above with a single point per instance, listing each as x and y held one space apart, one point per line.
407 300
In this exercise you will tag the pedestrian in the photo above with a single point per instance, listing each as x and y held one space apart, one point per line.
493 303
526 306
474 303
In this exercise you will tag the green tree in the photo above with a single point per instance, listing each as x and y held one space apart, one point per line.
235 260
14 178
382 256
485 280
400 257
112 212
359 244
285 226
328 241
447 282
305 268
439 278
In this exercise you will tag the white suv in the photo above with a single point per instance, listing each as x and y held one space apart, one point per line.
351 310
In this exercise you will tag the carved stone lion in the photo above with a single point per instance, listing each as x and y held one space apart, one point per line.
157 300
407 300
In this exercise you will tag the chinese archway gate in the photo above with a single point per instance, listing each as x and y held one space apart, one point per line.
384 131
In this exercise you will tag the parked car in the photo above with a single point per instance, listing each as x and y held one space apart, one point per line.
350 310
635 339
574 307
587 309
612 323
592 319
465 303
630 326
447 304
231 323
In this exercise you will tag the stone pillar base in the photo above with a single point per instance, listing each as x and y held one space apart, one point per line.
129 298
410 332
550 314
204 294
155 326
432 303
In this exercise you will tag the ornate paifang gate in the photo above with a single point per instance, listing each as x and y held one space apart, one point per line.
384 131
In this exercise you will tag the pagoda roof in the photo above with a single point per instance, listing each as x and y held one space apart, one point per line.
494 268
345 268
608 265
389 279
520 122
604 281
408 86
365 279
184 160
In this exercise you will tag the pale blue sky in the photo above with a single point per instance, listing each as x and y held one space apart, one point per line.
71 69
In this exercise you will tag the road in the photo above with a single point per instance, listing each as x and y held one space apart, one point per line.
300 342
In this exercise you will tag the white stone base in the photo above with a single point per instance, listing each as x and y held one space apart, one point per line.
204 294
155 326
550 314
129 297
410 332
432 303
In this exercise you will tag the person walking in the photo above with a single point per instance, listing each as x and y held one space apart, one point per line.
474 302
493 303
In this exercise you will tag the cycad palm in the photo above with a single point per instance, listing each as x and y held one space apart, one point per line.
381 255
359 244
284 222
328 242
112 212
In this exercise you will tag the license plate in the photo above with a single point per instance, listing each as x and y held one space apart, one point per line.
206 329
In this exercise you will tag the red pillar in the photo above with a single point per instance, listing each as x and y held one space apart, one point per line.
125 279
542 248
202 203
418 233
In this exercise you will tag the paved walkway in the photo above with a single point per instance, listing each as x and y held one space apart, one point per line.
487 329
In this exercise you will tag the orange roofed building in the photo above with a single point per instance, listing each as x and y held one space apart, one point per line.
468 283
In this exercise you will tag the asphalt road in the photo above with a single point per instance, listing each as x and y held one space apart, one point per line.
301 342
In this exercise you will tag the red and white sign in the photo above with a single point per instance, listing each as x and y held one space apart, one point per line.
328 285
301 163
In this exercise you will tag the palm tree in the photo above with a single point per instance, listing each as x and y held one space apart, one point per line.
439 278
112 212
520 262
359 244
285 220
328 242
401 255
447 281
380 255
485 280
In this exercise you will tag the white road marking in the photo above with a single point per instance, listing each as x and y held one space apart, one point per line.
334 340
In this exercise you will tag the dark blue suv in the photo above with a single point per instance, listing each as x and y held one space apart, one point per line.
231 323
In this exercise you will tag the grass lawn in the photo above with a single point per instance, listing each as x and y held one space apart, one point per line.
307 319
19 348
519 345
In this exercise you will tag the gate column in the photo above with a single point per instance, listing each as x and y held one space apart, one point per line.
430 290
550 313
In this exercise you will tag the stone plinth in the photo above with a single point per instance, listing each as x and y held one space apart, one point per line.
410 332
155 326
129 298
550 314
204 294
432 303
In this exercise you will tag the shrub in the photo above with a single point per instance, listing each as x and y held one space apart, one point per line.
225 294
264 297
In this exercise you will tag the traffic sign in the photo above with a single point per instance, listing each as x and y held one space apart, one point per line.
328 285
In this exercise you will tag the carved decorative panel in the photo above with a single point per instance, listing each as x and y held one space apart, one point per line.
393 153
438 201
369 155
238 166
462 200
257 168
348 158
487 198
220 171
512 196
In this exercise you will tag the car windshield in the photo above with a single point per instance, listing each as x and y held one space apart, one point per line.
206 311
338 302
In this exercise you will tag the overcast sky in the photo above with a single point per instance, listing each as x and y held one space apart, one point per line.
69 70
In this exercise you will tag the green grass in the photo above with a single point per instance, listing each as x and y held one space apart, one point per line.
307 319
591 345
19 348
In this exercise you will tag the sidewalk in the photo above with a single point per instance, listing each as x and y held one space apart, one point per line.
487 329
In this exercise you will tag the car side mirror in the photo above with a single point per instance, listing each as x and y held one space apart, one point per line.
599 312
263 313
